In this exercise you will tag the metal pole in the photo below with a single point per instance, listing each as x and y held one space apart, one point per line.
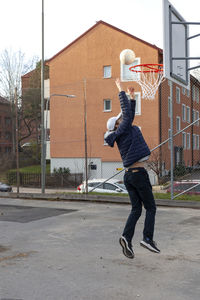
85 133
171 141
43 160
45 132
17 139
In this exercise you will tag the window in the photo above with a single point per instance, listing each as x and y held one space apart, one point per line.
138 103
178 98
104 142
197 142
188 140
197 94
7 149
94 184
107 71
188 114
193 92
193 115
178 123
183 112
184 140
107 104
188 93
126 74
7 121
108 186
194 141
8 135
197 117
183 90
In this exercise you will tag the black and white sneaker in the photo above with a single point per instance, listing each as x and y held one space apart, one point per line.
150 245
126 247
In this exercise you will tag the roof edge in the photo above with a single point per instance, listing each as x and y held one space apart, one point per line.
107 24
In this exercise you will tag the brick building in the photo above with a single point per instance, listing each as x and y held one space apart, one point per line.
88 68
186 108
5 126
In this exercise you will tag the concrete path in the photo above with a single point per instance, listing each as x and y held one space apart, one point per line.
70 251
38 190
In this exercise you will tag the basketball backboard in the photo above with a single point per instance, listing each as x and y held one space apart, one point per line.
175 40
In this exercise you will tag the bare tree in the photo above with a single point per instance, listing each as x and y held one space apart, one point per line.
12 67
155 163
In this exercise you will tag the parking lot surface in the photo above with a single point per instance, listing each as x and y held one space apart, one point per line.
70 250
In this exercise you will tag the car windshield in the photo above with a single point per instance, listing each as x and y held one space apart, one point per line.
121 186
94 184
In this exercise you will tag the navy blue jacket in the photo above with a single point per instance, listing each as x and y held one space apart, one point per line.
128 137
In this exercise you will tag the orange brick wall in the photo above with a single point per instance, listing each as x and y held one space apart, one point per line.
85 59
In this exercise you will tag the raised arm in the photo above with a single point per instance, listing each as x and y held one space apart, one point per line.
124 102
131 93
125 108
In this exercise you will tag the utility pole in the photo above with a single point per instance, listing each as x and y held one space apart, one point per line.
85 137
43 158
17 139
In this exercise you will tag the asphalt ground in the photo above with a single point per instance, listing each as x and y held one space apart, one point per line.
70 250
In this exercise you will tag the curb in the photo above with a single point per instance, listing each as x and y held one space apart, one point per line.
97 198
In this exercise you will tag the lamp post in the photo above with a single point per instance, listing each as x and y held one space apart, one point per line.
44 140
42 107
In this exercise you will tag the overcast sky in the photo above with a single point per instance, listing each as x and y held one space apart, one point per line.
20 21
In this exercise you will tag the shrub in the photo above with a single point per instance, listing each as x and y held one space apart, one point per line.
61 171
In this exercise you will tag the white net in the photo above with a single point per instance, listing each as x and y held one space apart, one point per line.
149 80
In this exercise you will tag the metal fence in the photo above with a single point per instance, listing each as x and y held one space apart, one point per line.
177 157
170 125
53 181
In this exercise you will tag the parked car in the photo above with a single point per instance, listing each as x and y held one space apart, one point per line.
110 186
5 188
180 186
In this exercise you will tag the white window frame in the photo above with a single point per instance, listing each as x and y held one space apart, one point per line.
138 103
197 94
104 105
188 93
183 112
194 141
183 90
178 95
197 142
188 114
197 117
193 115
193 92
107 71
126 74
184 140
188 141
178 123
104 142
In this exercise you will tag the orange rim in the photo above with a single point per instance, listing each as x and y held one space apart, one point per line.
157 68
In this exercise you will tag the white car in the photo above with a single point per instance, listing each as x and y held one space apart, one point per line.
110 186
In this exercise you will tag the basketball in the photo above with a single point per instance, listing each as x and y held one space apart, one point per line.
127 57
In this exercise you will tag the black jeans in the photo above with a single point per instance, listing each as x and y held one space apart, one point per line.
139 188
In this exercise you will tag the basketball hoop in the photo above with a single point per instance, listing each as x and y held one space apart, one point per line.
151 76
